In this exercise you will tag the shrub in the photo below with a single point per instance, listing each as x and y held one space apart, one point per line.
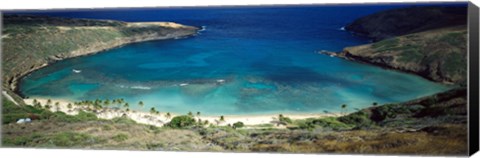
181 121
331 122
11 112
390 111
357 119
285 119
238 125
308 125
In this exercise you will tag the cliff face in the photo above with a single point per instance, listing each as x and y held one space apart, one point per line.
396 22
32 42
427 41
438 55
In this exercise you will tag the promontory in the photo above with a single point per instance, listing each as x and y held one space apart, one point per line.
32 42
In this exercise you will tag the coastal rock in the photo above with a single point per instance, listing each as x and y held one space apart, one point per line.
397 22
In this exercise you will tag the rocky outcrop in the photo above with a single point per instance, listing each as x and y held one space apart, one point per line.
439 55
397 22
33 42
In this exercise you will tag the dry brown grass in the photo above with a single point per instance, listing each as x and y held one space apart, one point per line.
139 137
446 140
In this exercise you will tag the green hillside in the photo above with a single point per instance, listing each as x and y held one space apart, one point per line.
439 55
31 42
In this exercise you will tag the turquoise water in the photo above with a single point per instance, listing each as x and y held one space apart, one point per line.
247 61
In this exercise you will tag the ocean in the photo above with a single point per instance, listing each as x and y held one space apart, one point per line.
247 60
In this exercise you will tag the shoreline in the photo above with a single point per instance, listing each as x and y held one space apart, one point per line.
161 119
348 57
183 31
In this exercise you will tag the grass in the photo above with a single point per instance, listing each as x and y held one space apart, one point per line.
454 38
456 64
123 120
386 44
438 55
412 53
70 139
120 137
373 142
61 139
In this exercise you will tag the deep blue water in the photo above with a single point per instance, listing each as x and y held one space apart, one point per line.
249 60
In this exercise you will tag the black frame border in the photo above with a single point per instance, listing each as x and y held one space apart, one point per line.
473 98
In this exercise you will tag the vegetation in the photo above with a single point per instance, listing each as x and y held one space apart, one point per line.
182 121
238 125
439 55
152 110
284 120
120 137
11 113
190 114
32 41
429 124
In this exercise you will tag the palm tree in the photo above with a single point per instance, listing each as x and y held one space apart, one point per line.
97 101
140 103
128 109
126 105
69 106
344 108
35 101
38 105
49 102
198 113
152 110
190 114
168 115
374 104
106 102
222 118
57 106
120 101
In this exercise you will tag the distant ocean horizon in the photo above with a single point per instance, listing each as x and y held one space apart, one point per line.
247 60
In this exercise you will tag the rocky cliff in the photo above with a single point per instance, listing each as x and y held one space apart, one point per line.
439 55
32 42
427 41
397 22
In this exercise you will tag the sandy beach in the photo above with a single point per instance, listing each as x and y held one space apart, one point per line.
161 119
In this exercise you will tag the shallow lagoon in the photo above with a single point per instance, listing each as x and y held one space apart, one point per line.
247 61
